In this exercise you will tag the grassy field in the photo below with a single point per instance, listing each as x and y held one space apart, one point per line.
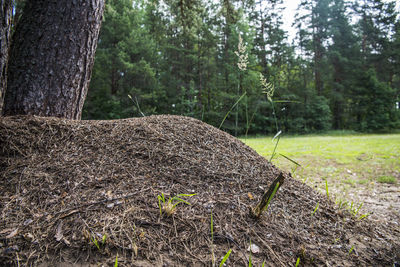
356 167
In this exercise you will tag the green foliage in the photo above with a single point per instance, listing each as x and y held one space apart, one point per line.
376 106
318 115
387 179
182 58
169 205
98 244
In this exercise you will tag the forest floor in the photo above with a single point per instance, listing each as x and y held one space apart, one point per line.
360 169
91 192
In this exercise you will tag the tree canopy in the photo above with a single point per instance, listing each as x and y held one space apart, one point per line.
181 57
178 57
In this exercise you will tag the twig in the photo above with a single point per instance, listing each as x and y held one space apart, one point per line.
269 248
266 198
94 203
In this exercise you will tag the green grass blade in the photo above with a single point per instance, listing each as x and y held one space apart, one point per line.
159 204
363 216
326 188
273 152
94 240
276 135
298 261
351 249
250 263
186 195
225 258
297 164
116 261
272 195
315 210
234 105
358 209
180 201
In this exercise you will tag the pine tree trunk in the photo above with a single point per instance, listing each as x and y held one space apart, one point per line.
52 56
5 25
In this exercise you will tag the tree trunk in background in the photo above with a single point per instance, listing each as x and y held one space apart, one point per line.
51 58
5 26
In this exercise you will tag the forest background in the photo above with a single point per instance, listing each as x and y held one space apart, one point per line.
341 71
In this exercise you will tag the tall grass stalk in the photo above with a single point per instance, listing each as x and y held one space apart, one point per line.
326 188
243 61
276 145
136 102
251 119
234 105
272 195
291 160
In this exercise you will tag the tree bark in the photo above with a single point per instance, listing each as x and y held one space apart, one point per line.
52 56
5 26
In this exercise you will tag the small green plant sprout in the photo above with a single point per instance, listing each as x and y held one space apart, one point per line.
315 210
342 204
96 242
352 209
169 206
267 197
351 249
363 216
116 261
326 188
358 209
225 258
297 261
250 263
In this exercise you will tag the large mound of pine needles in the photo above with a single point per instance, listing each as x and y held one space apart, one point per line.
86 191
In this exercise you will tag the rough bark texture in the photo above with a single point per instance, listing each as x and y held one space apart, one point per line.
5 25
52 56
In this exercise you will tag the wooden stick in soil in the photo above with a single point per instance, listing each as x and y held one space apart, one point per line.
266 198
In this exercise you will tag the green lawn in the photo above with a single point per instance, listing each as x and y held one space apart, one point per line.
350 163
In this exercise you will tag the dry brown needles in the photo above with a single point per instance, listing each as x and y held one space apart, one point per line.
66 185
